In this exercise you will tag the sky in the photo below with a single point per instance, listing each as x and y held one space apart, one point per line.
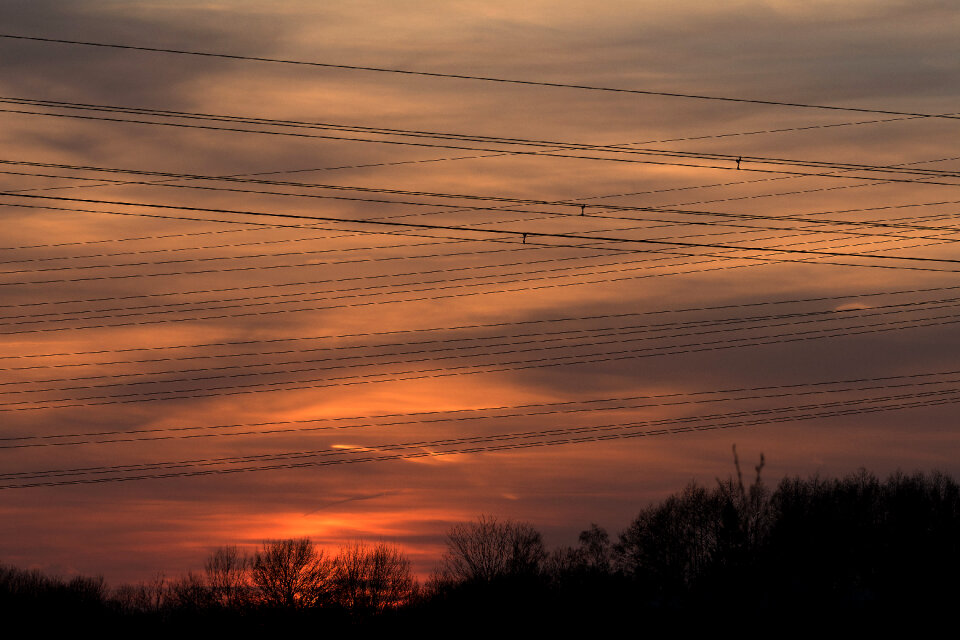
210 337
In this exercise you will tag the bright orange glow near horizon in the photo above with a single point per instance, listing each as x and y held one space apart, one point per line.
178 375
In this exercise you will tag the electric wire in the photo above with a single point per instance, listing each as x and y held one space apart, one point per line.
496 232
471 414
654 312
456 76
442 372
530 341
728 161
521 440
475 197
953 394
434 297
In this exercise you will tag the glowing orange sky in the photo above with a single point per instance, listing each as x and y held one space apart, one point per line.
882 55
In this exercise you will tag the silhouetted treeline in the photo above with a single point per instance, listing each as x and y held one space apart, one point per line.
288 583
855 548
31 595
805 550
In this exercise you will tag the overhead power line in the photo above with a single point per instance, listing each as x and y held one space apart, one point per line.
952 394
577 205
749 229
726 162
443 372
431 289
299 296
545 148
585 198
758 229
273 301
492 443
517 235
656 312
235 245
438 349
370 421
460 76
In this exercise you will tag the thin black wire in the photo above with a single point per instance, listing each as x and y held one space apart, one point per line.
578 359
729 160
257 120
426 297
500 232
284 254
425 450
629 148
273 311
723 158
456 196
656 312
270 255
463 415
596 197
532 342
418 415
109 298
233 245
457 76
689 324
343 235
750 230
585 198
334 280
218 290
170 464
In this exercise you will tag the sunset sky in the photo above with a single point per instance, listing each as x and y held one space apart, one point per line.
178 372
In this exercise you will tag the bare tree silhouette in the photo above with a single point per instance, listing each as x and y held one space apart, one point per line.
371 578
189 593
143 597
227 572
592 558
671 547
488 550
291 573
